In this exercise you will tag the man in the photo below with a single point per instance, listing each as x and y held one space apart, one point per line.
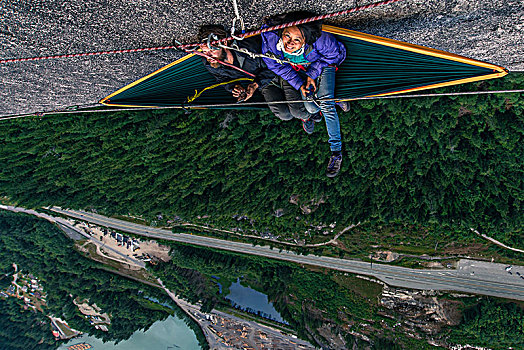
265 81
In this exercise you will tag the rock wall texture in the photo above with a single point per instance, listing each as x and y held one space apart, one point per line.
486 30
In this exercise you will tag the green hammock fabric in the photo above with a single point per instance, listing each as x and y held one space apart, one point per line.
369 69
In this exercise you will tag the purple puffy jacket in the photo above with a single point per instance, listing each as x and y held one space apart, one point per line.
324 52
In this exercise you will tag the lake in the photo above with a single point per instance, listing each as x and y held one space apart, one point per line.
245 297
170 334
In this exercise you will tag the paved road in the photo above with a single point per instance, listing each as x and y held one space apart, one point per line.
470 277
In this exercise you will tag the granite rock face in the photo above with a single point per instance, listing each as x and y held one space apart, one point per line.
486 30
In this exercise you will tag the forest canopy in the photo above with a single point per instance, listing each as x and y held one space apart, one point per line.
40 248
450 161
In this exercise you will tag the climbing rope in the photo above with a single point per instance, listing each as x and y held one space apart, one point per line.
65 110
260 104
234 47
302 21
193 46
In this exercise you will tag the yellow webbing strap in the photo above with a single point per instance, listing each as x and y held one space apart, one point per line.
197 94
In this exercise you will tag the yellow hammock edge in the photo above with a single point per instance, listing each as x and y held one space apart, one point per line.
410 47
433 86
103 101
499 72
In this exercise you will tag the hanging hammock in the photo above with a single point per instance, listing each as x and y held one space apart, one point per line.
374 66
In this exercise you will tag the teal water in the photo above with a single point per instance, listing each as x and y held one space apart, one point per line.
251 300
170 334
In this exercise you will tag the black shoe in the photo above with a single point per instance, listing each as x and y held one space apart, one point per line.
334 164
317 117
308 126
344 105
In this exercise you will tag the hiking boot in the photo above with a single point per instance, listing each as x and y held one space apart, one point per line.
317 117
344 105
308 126
334 164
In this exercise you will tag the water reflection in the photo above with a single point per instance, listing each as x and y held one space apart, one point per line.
170 334
215 279
250 300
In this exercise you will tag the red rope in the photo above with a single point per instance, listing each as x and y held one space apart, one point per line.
224 63
192 46
291 24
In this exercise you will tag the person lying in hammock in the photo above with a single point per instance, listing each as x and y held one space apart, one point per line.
243 89
314 57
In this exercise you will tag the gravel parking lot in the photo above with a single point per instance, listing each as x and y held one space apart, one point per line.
487 30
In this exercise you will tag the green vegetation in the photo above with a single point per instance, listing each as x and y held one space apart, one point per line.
311 298
496 324
23 329
417 173
443 164
307 299
42 249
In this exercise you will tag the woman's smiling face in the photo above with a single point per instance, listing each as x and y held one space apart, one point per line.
292 39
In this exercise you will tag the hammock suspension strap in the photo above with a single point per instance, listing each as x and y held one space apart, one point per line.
239 19
302 21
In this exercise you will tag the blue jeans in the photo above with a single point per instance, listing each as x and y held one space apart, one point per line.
326 90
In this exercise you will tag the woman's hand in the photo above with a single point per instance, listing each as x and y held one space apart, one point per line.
304 89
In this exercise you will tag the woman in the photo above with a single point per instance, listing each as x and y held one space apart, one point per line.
313 56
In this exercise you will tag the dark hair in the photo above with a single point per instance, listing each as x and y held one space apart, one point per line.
206 30
311 31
